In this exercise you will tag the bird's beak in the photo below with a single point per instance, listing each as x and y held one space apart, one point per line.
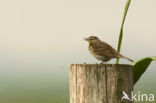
86 39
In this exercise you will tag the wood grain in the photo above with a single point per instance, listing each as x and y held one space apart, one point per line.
100 83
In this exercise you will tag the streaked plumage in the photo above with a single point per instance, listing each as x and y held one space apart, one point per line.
102 51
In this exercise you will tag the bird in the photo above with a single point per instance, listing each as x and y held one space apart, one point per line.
102 51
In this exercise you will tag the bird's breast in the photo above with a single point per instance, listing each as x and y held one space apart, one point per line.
99 57
91 49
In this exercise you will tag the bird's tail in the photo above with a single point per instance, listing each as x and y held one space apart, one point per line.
121 56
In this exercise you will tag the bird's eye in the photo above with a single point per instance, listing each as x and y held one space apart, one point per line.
91 39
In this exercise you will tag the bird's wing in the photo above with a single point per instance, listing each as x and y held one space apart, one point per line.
103 52
106 50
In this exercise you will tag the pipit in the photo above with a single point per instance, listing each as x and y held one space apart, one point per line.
103 51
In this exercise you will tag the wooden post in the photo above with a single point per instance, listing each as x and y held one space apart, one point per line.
100 83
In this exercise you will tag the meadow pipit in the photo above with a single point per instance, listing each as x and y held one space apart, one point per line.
103 51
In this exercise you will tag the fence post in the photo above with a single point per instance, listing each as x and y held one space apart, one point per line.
100 83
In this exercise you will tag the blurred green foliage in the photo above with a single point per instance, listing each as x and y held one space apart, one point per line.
140 67
121 30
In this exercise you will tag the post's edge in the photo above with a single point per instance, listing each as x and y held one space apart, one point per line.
101 65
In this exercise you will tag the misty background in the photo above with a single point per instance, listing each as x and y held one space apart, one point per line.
39 39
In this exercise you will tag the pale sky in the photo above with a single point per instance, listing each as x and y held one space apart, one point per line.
39 33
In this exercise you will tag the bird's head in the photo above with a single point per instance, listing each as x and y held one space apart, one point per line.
92 39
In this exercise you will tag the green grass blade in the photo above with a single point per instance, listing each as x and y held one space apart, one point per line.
121 30
140 67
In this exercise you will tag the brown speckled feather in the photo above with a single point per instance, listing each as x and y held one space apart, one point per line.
103 51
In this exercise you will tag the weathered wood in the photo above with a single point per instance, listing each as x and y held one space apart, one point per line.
100 83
